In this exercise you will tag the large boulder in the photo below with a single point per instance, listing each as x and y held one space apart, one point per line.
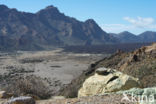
21 100
107 81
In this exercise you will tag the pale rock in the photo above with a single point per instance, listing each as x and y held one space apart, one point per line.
107 82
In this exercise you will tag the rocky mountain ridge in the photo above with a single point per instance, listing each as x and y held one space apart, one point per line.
46 29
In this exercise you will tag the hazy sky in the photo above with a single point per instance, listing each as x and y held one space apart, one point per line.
135 16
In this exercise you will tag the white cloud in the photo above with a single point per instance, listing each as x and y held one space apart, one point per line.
141 22
116 27
137 25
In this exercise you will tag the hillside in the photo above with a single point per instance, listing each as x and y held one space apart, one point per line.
140 64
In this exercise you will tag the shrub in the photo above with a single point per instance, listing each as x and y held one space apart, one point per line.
30 85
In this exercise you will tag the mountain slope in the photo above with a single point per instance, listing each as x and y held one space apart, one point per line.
47 28
140 64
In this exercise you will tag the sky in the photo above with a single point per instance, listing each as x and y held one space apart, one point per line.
113 16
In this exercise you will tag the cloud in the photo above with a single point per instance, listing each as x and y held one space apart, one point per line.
141 22
116 27
137 25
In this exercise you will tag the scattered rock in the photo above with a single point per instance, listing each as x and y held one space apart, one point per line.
21 100
5 95
103 71
35 97
101 99
112 82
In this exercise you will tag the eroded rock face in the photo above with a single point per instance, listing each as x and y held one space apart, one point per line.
106 81
21 100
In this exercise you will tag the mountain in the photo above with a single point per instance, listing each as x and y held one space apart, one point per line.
127 37
46 29
148 36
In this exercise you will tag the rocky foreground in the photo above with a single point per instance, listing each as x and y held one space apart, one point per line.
124 78
104 99
107 86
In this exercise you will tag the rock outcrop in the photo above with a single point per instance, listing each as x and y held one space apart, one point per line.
106 81
21 100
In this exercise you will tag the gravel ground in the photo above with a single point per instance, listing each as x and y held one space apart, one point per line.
105 99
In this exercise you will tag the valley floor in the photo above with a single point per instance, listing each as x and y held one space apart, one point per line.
56 67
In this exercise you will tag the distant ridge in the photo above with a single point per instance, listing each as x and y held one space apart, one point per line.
127 37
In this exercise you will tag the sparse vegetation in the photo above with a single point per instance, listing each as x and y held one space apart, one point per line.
30 85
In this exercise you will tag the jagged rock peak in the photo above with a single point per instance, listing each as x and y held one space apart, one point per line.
92 21
51 8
